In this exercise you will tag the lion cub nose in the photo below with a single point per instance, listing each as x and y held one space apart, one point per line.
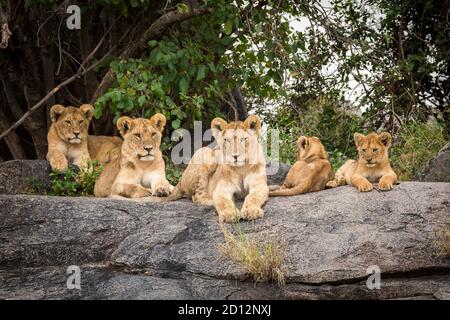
76 133
148 149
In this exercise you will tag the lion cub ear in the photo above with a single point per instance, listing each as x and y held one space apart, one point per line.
218 125
253 123
159 121
302 142
56 111
385 138
124 124
359 138
87 110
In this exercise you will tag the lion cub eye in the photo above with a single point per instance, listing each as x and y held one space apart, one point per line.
364 150
375 150
81 121
137 135
67 122
153 134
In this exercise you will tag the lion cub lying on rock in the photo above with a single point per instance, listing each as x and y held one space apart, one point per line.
372 166
310 172
235 169
140 169
68 139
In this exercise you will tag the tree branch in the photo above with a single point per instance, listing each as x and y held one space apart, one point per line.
155 31
82 70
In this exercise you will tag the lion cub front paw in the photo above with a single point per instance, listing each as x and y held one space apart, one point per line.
141 193
162 189
385 185
229 216
364 186
252 213
332 184
59 164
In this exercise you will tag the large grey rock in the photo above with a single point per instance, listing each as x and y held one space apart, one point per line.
438 168
138 250
276 172
20 176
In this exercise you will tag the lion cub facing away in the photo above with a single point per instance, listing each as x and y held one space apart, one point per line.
140 169
310 172
68 139
372 166
235 169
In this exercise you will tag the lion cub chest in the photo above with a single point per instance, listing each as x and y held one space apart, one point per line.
148 178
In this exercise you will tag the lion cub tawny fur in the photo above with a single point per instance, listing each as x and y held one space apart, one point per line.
68 139
310 172
140 169
235 169
372 166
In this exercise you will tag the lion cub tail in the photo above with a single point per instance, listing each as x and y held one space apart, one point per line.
298 189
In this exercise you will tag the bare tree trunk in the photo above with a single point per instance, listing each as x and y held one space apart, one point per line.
12 140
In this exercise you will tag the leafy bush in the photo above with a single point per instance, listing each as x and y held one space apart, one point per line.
261 259
34 186
415 145
75 182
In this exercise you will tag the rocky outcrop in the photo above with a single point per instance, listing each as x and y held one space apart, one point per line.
20 176
132 250
438 168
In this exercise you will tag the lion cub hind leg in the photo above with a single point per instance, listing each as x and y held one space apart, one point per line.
340 177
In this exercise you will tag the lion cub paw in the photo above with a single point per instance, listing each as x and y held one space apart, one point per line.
162 189
229 216
331 184
364 186
252 213
385 185
141 193
59 164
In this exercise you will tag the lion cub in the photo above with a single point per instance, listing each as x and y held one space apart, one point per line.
68 139
372 166
310 172
140 169
235 169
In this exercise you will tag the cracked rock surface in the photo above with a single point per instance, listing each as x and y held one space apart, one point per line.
131 250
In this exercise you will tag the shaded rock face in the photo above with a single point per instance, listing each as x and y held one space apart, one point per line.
16 176
438 168
134 250
276 172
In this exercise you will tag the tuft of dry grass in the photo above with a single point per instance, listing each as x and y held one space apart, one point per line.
261 259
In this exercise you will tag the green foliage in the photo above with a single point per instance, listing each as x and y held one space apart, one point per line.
75 182
34 186
173 172
170 81
415 145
